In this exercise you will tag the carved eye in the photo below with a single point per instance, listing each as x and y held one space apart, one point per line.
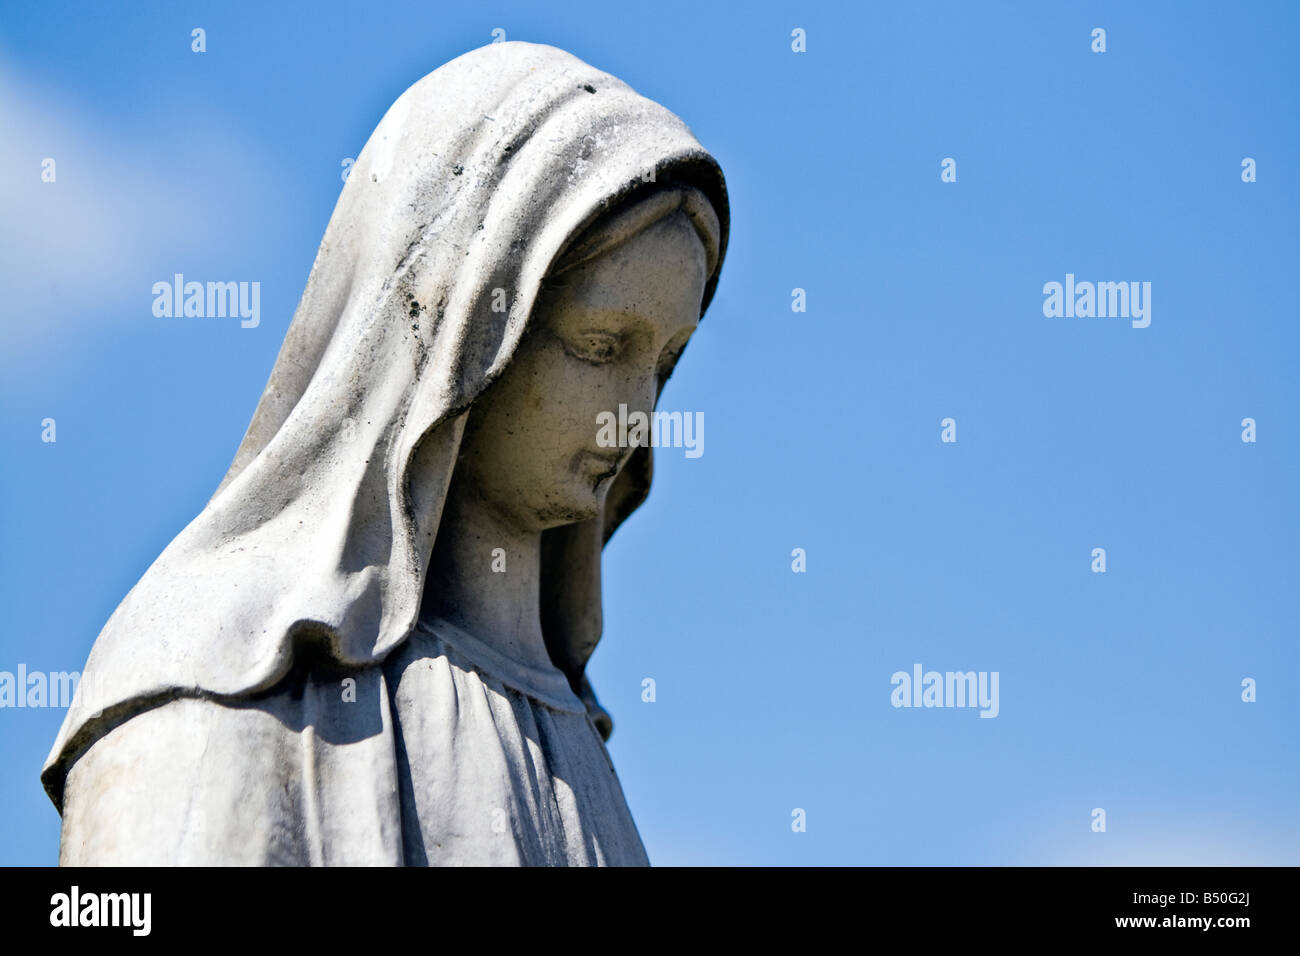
595 347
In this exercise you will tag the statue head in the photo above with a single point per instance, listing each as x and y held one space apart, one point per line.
612 319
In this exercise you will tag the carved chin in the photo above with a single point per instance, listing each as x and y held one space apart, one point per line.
581 501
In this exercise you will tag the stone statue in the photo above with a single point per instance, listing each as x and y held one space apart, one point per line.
369 647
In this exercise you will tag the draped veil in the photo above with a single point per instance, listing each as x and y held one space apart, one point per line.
477 179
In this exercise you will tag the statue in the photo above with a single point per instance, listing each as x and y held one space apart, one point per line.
370 646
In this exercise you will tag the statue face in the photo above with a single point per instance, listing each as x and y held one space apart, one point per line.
599 337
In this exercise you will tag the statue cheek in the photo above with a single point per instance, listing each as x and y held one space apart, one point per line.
613 388
642 388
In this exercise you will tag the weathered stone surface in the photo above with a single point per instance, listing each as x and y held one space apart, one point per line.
370 645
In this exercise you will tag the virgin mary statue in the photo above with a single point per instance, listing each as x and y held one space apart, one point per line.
369 647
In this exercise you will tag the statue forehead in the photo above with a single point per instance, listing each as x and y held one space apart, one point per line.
657 271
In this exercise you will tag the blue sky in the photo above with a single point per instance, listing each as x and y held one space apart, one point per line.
1119 690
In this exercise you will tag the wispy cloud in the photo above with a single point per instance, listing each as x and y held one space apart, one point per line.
75 250
1166 840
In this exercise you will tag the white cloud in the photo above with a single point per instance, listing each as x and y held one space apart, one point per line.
1164 841
78 251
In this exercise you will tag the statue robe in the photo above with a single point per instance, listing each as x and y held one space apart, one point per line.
447 753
